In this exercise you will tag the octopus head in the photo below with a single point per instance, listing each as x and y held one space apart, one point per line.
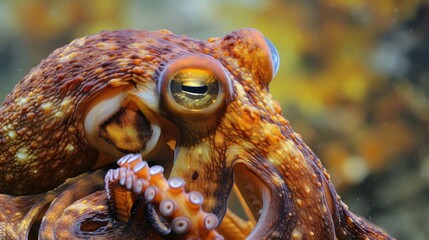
205 114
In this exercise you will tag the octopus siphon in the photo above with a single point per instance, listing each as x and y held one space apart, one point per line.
137 134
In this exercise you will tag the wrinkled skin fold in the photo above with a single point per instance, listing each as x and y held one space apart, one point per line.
201 109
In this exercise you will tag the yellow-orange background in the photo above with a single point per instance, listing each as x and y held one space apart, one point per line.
354 79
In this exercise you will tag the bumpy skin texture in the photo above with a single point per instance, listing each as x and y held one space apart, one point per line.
246 137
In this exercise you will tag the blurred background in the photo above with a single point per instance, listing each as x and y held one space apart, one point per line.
353 80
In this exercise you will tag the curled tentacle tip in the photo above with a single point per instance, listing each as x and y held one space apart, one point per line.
115 174
196 198
167 207
211 221
157 169
109 175
180 225
150 193
176 182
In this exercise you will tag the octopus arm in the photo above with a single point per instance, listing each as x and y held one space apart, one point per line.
22 214
85 186
351 226
181 210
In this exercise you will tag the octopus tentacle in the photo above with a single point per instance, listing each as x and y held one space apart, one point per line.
22 214
233 227
182 210
81 188
81 212
348 224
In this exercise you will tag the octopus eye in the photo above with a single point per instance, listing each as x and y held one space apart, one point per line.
194 85
194 89
275 58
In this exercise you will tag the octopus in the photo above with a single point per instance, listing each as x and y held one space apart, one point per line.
147 135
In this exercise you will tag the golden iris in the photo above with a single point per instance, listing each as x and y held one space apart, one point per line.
194 89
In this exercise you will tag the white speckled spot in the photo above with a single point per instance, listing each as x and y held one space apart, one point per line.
69 148
296 234
101 45
23 101
68 57
299 202
47 108
66 103
21 154
80 41
11 134
307 189
106 45
59 115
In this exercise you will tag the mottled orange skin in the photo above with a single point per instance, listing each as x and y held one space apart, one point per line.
249 135
49 130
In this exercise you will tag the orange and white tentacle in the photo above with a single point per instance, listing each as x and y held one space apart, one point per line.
182 210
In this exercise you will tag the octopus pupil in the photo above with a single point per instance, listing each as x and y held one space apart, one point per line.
198 90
